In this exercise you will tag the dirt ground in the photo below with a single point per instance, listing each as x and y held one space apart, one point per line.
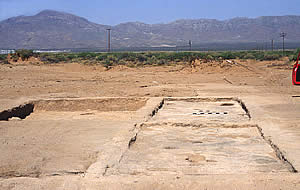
209 126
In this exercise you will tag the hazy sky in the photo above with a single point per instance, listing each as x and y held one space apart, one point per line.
113 12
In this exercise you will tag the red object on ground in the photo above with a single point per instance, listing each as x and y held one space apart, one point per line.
296 72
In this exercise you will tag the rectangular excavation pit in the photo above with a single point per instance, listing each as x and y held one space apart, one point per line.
202 109
62 136
81 106
200 150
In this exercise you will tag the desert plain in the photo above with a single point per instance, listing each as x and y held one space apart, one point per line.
232 125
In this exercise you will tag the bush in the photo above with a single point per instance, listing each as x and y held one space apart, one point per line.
130 57
294 56
14 57
71 56
53 57
271 57
6 62
101 57
112 59
210 57
24 54
122 62
107 64
162 62
248 56
141 58
3 57
86 55
227 55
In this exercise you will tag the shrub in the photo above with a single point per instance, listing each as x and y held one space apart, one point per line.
3 57
6 62
53 58
209 57
130 57
101 57
71 56
248 56
87 55
24 54
122 62
271 57
162 62
112 58
294 56
258 55
141 58
107 64
14 57
227 55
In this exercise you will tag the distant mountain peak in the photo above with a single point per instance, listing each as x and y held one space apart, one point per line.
62 16
52 29
52 12
49 12
57 15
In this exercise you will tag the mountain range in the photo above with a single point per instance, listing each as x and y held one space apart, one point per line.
58 30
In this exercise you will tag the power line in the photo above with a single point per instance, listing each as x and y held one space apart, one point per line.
108 39
283 35
272 41
190 45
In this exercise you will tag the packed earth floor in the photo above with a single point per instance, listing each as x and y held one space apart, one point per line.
74 126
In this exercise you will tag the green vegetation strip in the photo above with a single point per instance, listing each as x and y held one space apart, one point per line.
133 59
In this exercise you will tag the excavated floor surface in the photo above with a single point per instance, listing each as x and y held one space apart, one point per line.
192 137
201 110
200 150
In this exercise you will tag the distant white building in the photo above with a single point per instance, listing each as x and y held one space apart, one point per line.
6 51
51 51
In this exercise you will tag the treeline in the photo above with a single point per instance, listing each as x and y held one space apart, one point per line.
147 58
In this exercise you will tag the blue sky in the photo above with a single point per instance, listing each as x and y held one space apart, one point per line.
113 12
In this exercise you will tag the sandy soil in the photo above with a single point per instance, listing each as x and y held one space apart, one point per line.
97 129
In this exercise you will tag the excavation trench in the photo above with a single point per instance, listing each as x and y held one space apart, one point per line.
178 141
73 105
190 136
62 136
21 112
192 149
202 110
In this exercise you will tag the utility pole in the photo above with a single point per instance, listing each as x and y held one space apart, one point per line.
108 39
272 45
190 44
283 35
